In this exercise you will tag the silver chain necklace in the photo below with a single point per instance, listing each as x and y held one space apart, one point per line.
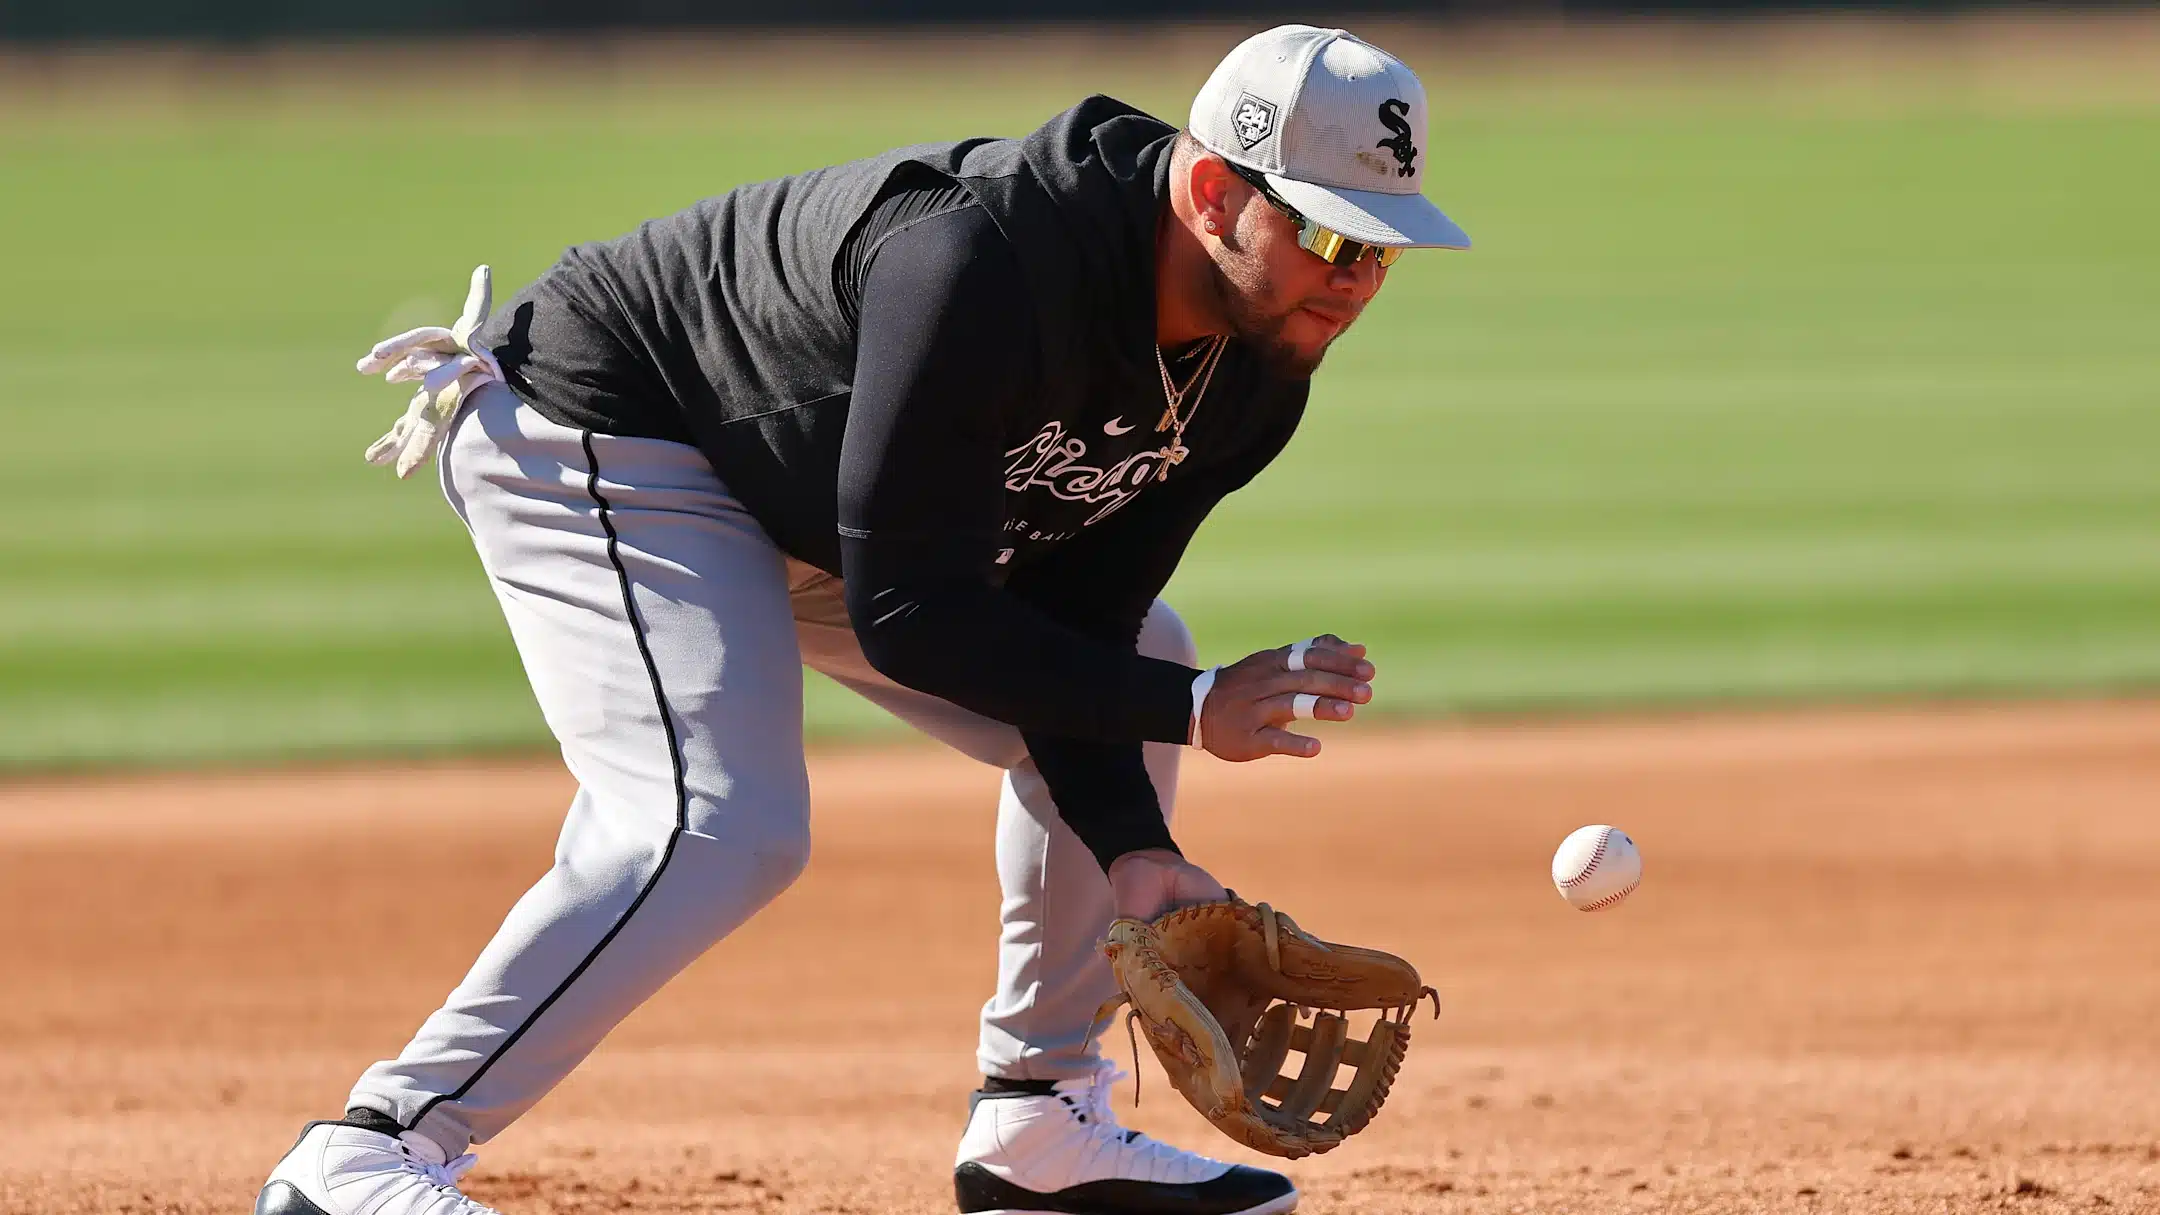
1175 416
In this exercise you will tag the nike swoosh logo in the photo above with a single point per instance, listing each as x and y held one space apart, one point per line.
1111 427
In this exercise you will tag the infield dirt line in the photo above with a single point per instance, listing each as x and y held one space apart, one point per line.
922 776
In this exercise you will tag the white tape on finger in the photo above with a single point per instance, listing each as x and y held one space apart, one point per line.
1302 705
1297 653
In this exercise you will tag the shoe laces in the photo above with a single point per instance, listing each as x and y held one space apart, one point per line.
1094 1100
1093 1108
444 1175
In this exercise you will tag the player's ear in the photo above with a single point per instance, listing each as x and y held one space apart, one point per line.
1214 192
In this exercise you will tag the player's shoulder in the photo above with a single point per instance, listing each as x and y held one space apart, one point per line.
961 240
1100 124
955 263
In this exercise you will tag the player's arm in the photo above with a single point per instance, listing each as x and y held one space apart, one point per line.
1102 584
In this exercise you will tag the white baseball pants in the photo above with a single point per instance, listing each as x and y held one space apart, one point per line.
665 637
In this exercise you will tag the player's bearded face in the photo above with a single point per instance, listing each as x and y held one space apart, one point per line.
1281 300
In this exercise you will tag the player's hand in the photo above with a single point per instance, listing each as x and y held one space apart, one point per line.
1253 698
1147 883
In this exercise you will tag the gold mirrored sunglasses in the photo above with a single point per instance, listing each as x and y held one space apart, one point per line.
1317 239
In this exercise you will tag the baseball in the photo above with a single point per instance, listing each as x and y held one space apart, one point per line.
1596 867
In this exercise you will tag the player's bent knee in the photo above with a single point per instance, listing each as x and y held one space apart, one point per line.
748 868
781 861
1164 635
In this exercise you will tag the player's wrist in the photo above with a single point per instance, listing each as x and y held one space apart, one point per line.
1153 854
1202 684
1117 831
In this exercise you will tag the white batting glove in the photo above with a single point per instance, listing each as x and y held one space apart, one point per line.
448 366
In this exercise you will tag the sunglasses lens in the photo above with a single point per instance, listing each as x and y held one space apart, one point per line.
1328 245
1338 250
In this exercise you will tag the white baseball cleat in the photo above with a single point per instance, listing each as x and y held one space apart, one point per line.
337 1169
1056 1149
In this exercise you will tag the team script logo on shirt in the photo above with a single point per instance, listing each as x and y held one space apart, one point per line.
1056 461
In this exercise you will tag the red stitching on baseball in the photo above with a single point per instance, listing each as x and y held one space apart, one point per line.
1596 855
1614 897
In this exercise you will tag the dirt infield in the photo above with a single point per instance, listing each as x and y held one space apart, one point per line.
1883 961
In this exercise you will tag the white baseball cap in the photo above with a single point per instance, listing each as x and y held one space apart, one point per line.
1337 127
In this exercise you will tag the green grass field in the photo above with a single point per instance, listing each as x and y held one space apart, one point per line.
1739 398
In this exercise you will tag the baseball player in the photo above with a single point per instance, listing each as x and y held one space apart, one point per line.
939 424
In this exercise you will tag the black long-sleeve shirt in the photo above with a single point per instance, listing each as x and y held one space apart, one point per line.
945 358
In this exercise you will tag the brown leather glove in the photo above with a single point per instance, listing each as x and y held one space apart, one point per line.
1222 991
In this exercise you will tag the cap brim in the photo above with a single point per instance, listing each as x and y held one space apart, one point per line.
1407 221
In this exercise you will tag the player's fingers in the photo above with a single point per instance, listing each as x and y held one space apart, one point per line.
1320 683
1304 706
1283 742
1341 659
1329 641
